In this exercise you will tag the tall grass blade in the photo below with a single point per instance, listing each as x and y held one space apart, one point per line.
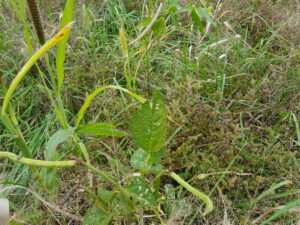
61 48
48 45
269 191
282 211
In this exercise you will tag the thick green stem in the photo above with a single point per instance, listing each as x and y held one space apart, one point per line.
37 163
203 197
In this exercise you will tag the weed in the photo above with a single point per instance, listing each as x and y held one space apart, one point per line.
228 71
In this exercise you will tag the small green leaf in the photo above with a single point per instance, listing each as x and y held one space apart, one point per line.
141 191
197 20
205 13
145 22
100 129
156 156
159 28
143 160
149 125
84 152
139 158
105 195
96 216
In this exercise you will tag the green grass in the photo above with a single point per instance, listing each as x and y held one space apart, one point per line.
239 113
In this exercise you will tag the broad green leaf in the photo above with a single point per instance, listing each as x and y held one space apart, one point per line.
197 20
49 175
99 129
56 139
96 216
123 41
149 125
61 48
141 192
159 28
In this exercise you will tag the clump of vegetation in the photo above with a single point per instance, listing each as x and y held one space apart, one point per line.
230 125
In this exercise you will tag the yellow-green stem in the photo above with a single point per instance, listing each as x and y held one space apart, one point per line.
194 191
37 163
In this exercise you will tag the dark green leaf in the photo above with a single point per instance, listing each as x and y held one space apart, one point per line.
100 129
96 216
141 191
149 125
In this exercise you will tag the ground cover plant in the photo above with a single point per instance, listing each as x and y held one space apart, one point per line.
149 112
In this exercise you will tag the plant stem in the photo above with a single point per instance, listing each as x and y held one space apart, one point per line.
37 163
203 197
